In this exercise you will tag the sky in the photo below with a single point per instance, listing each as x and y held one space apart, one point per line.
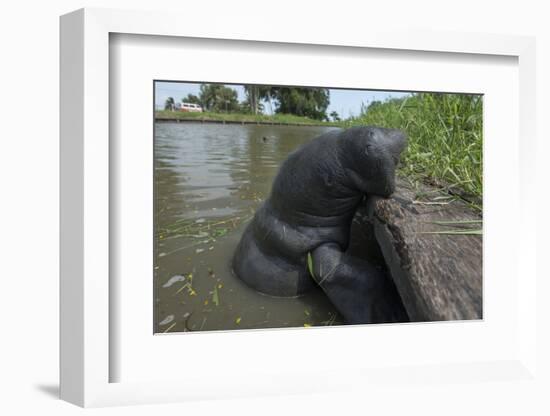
345 102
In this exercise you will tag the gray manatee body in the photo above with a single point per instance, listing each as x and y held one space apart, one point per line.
309 212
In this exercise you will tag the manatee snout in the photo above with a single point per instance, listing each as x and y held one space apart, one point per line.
397 140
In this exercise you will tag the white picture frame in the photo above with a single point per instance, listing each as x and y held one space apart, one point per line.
87 356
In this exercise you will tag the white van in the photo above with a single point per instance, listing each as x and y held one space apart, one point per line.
189 107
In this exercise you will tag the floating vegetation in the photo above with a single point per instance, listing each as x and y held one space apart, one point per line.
167 320
215 296
203 231
198 223
202 228
174 279
170 327
188 285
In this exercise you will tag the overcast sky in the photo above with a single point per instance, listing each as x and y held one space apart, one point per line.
344 102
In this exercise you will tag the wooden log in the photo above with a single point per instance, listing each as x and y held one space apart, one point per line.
437 275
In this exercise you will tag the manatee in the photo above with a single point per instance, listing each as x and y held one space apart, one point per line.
307 218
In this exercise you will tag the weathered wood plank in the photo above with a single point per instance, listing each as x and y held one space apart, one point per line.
438 276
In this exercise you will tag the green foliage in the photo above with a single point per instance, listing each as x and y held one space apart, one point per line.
304 102
310 265
218 98
335 117
445 134
191 98
254 95
169 104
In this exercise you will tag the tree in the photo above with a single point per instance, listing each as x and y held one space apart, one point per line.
304 102
254 95
191 98
227 100
246 108
218 98
335 116
169 104
207 95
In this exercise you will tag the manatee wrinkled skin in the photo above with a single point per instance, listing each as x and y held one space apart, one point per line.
309 212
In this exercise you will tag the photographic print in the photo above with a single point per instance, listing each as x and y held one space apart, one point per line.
285 206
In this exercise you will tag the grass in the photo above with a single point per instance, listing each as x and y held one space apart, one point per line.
458 227
239 117
444 139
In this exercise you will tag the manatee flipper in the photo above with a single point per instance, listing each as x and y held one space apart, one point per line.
361 292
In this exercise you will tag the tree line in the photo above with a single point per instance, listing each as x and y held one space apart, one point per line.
305 102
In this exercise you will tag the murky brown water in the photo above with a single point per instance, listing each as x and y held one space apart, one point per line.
209 180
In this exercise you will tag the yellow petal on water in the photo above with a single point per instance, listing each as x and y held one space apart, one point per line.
307 325
206 302
238 320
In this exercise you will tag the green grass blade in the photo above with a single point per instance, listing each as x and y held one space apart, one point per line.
310 265
215 296
456 222
455 232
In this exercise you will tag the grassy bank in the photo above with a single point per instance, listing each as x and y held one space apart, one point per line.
246 118
445 138
444 130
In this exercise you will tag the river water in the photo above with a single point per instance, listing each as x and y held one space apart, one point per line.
209 180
